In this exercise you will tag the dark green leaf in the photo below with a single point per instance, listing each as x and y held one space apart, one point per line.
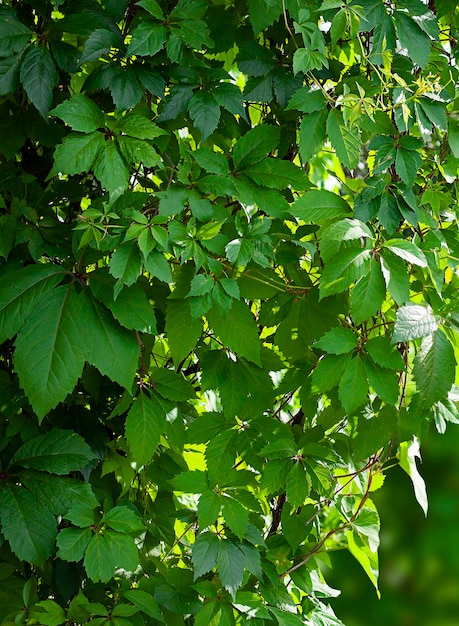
108 551
57 452
319 205
255 145
412 38
27 525
80 113
147 39
338 341
230 566
368 294
237 330
204 112
14 36
353 385
39 76
346 141
204 553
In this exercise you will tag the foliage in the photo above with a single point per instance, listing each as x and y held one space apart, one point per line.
228 298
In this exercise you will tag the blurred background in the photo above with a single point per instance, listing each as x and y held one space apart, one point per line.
418 557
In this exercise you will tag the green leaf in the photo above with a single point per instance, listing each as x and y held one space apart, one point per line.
237 330
14 36
412 38
353 387
384 353
139 126
329 371
72 543
39 76
307 100
346 141
82 514
80 113
171 385
99 43
319 205
147 39
208 508
255 145
344 269
59 494
109 347
137 151
396 277
235 515
143 600
145 423
123 520
125 263
338 341
50 354
110 169
27 525
9 75
277 174
204 112
20 291
413 322
195 481
366 557
205 551
409 452
77 153
57 451
434 367
383 381
374 433
126 89
230 566
182 330
453 134
133 310
368 294
108 551
298 485
406 251
312 134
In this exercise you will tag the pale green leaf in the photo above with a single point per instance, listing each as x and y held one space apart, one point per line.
406 251
396 277
409 452
413 322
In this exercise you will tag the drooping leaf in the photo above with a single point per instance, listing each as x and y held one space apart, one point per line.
346 141
368 294
353 385
39 76
109 347
230 566
145 424
50 353
237 330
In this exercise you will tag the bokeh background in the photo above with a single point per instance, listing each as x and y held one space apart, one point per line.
419 557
